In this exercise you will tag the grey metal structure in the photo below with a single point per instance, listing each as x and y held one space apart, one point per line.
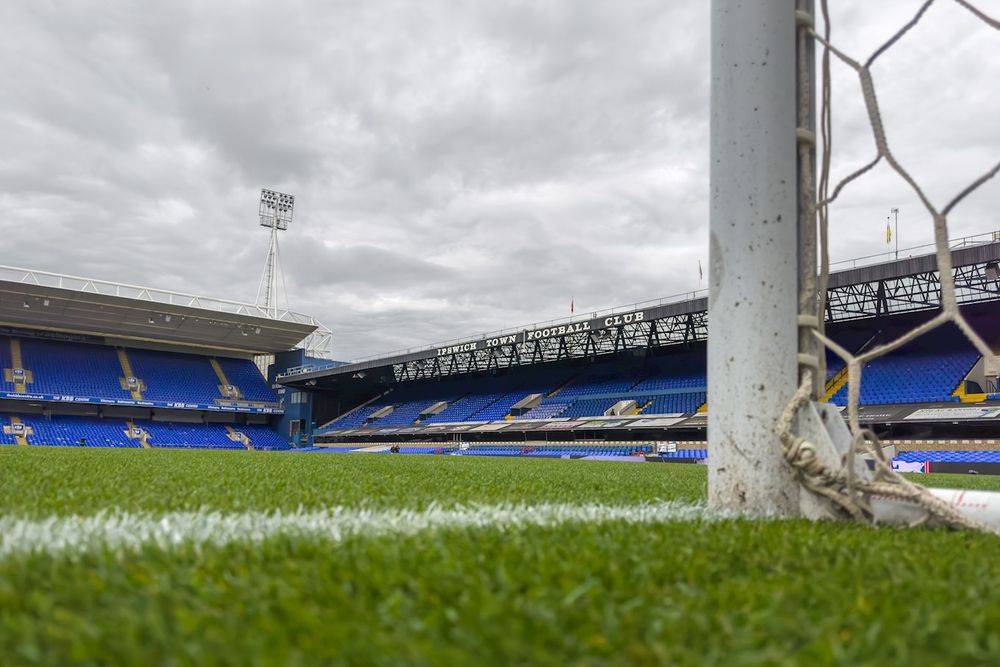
96 307
911 284
275 213
868 291
86 306
276 209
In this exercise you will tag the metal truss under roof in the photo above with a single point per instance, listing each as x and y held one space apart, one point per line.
888 288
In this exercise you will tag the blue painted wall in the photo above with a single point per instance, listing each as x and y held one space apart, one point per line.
296 403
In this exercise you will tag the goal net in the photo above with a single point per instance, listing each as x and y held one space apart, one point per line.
818 468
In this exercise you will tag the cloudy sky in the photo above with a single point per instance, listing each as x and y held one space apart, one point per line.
458 166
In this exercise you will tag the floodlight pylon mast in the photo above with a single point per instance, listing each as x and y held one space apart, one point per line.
267 290
275 211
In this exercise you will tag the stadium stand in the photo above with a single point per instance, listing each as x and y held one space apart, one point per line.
534 450
5 356
208 436
918 456
927 370
247 378
583 450
7 436
175 377
464 408
406 413
262 437
73 369
357 417
117 365
98 371
682 402
67 431
545 410
588 407
604 383
488 400
88 371
675 385
610 450
501 407
554 451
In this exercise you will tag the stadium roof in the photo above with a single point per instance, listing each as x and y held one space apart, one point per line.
45 301
908 283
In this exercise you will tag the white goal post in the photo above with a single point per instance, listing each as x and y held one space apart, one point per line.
753 254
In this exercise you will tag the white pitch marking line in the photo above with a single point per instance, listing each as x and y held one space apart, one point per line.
126 532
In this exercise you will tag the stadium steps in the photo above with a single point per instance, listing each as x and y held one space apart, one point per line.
17 361
143 436
127 372
22 437
226 388
835 384
236 436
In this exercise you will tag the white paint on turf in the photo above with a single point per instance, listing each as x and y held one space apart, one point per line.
125 532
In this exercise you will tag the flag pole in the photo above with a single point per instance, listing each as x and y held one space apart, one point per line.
895 212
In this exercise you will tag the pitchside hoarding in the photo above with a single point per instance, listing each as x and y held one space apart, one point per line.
63 398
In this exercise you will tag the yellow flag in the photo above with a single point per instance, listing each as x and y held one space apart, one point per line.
888 233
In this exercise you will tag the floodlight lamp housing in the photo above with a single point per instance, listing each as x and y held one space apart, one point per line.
276 209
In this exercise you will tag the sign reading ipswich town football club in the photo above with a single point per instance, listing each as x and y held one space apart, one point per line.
556 330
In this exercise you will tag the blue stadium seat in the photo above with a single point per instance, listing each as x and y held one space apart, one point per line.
175 377
72 369
66 431
464 409
546 410
94 371
5 362
244 374
949 456
687 403
602 384
913 374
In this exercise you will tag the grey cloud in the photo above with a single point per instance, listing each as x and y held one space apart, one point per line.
458 167
361 267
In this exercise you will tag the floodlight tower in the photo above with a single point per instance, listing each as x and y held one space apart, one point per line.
276 214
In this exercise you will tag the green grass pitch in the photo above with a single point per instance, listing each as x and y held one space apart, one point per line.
388 590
